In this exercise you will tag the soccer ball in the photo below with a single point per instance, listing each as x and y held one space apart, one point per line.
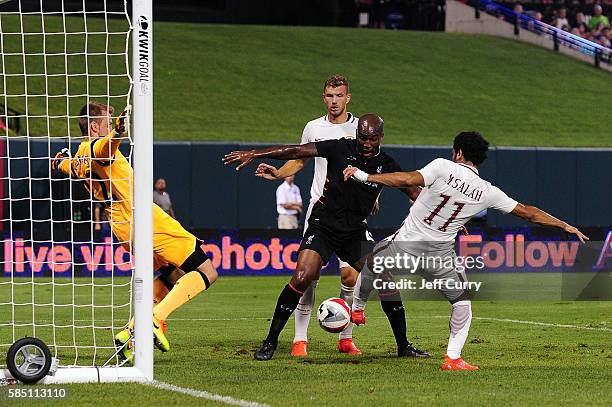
334 315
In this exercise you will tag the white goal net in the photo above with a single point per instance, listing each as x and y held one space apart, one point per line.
66 279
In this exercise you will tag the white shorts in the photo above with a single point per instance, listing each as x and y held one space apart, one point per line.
343 264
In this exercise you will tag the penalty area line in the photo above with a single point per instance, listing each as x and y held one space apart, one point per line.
204 394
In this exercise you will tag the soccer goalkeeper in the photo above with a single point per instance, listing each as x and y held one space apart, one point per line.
185 270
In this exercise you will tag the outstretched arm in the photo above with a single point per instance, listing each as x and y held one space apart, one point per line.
540 217
270 172
390 179
106 147
286 152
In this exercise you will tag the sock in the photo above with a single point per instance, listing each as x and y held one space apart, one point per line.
346 293
460 321
394 309
286 304
303 311
358 302
363 287
186 288
159 290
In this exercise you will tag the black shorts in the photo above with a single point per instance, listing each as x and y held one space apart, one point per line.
350 247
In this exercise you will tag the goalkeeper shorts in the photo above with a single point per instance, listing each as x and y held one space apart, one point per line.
172 244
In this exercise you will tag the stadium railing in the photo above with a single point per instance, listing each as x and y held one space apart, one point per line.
558 37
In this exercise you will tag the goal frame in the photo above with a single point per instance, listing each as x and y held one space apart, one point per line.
142 133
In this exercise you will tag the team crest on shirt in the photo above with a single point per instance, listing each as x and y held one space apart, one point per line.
309 239
379 169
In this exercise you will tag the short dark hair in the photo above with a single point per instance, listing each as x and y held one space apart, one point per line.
92 111
473 146
336 80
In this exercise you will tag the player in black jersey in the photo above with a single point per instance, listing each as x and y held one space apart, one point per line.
336 222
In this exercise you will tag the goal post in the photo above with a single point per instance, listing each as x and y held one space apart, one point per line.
62 281
142 77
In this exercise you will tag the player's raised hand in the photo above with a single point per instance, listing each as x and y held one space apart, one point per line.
59 157
574 231
120 122
242 157
267 171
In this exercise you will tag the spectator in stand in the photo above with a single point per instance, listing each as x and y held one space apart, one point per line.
288 204
581 23
561 20
513 19
533 24
518 8
161 197
597 18
602 34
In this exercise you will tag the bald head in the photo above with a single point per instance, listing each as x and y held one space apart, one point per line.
369 134
371 125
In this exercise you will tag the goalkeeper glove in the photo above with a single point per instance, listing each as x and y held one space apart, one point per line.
120 122
59 157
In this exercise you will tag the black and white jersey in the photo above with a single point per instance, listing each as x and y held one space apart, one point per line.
319 130
343 206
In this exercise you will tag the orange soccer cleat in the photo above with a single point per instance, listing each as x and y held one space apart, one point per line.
347 346
456 364
299 349
358 317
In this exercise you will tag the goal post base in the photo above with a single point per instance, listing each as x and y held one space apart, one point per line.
66 375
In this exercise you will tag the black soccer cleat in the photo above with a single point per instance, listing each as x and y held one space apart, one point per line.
411 352
265 352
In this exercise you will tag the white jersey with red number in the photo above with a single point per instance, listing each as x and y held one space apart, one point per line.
453 194
321 129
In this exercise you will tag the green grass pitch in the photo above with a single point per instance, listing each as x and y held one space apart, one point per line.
262 84
213 337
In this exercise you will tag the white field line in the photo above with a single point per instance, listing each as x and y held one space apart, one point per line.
204 394
549 324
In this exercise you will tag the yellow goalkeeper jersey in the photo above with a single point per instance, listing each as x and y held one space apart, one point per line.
109 179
